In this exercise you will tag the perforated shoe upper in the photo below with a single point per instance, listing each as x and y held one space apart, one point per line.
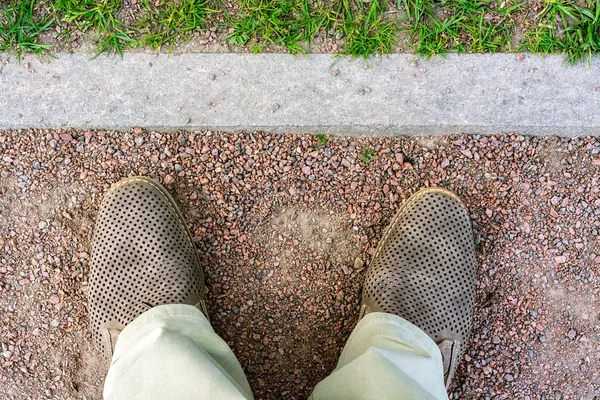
424 270
142 256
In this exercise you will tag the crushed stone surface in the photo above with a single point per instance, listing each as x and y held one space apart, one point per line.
286 228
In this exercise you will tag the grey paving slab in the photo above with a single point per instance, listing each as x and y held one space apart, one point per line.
318 94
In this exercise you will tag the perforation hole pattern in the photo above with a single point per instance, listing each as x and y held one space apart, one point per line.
142 256
424 268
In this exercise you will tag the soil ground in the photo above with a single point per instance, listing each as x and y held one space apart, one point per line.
286 226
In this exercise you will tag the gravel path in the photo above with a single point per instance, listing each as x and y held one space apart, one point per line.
286 227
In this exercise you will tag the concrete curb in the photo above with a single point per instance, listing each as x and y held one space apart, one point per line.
482 94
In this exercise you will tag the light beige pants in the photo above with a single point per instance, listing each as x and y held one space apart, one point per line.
172 352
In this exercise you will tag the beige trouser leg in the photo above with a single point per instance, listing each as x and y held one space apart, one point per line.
171 352
386 357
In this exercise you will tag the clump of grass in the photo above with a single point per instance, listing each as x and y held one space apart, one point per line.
567 28
435 36
287 23
322 139
293 24
368 155
486 35
169 21
430 34
365 29
475 26
20 30
99 16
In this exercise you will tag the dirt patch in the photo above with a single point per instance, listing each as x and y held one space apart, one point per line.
316 231
42 299
21 209
565 351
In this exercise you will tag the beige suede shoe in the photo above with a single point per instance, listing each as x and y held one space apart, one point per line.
424 272
142 256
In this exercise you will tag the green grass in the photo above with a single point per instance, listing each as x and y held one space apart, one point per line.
366 30
322 140
565 27
168 21
100 18
368 155
293 24
20 30
363 28
289 23
475 26
161 23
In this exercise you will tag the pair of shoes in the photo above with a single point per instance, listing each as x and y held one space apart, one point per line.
143 256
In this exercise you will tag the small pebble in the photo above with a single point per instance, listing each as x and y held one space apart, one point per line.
347 270
169 179
560 259
358 263
139 140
